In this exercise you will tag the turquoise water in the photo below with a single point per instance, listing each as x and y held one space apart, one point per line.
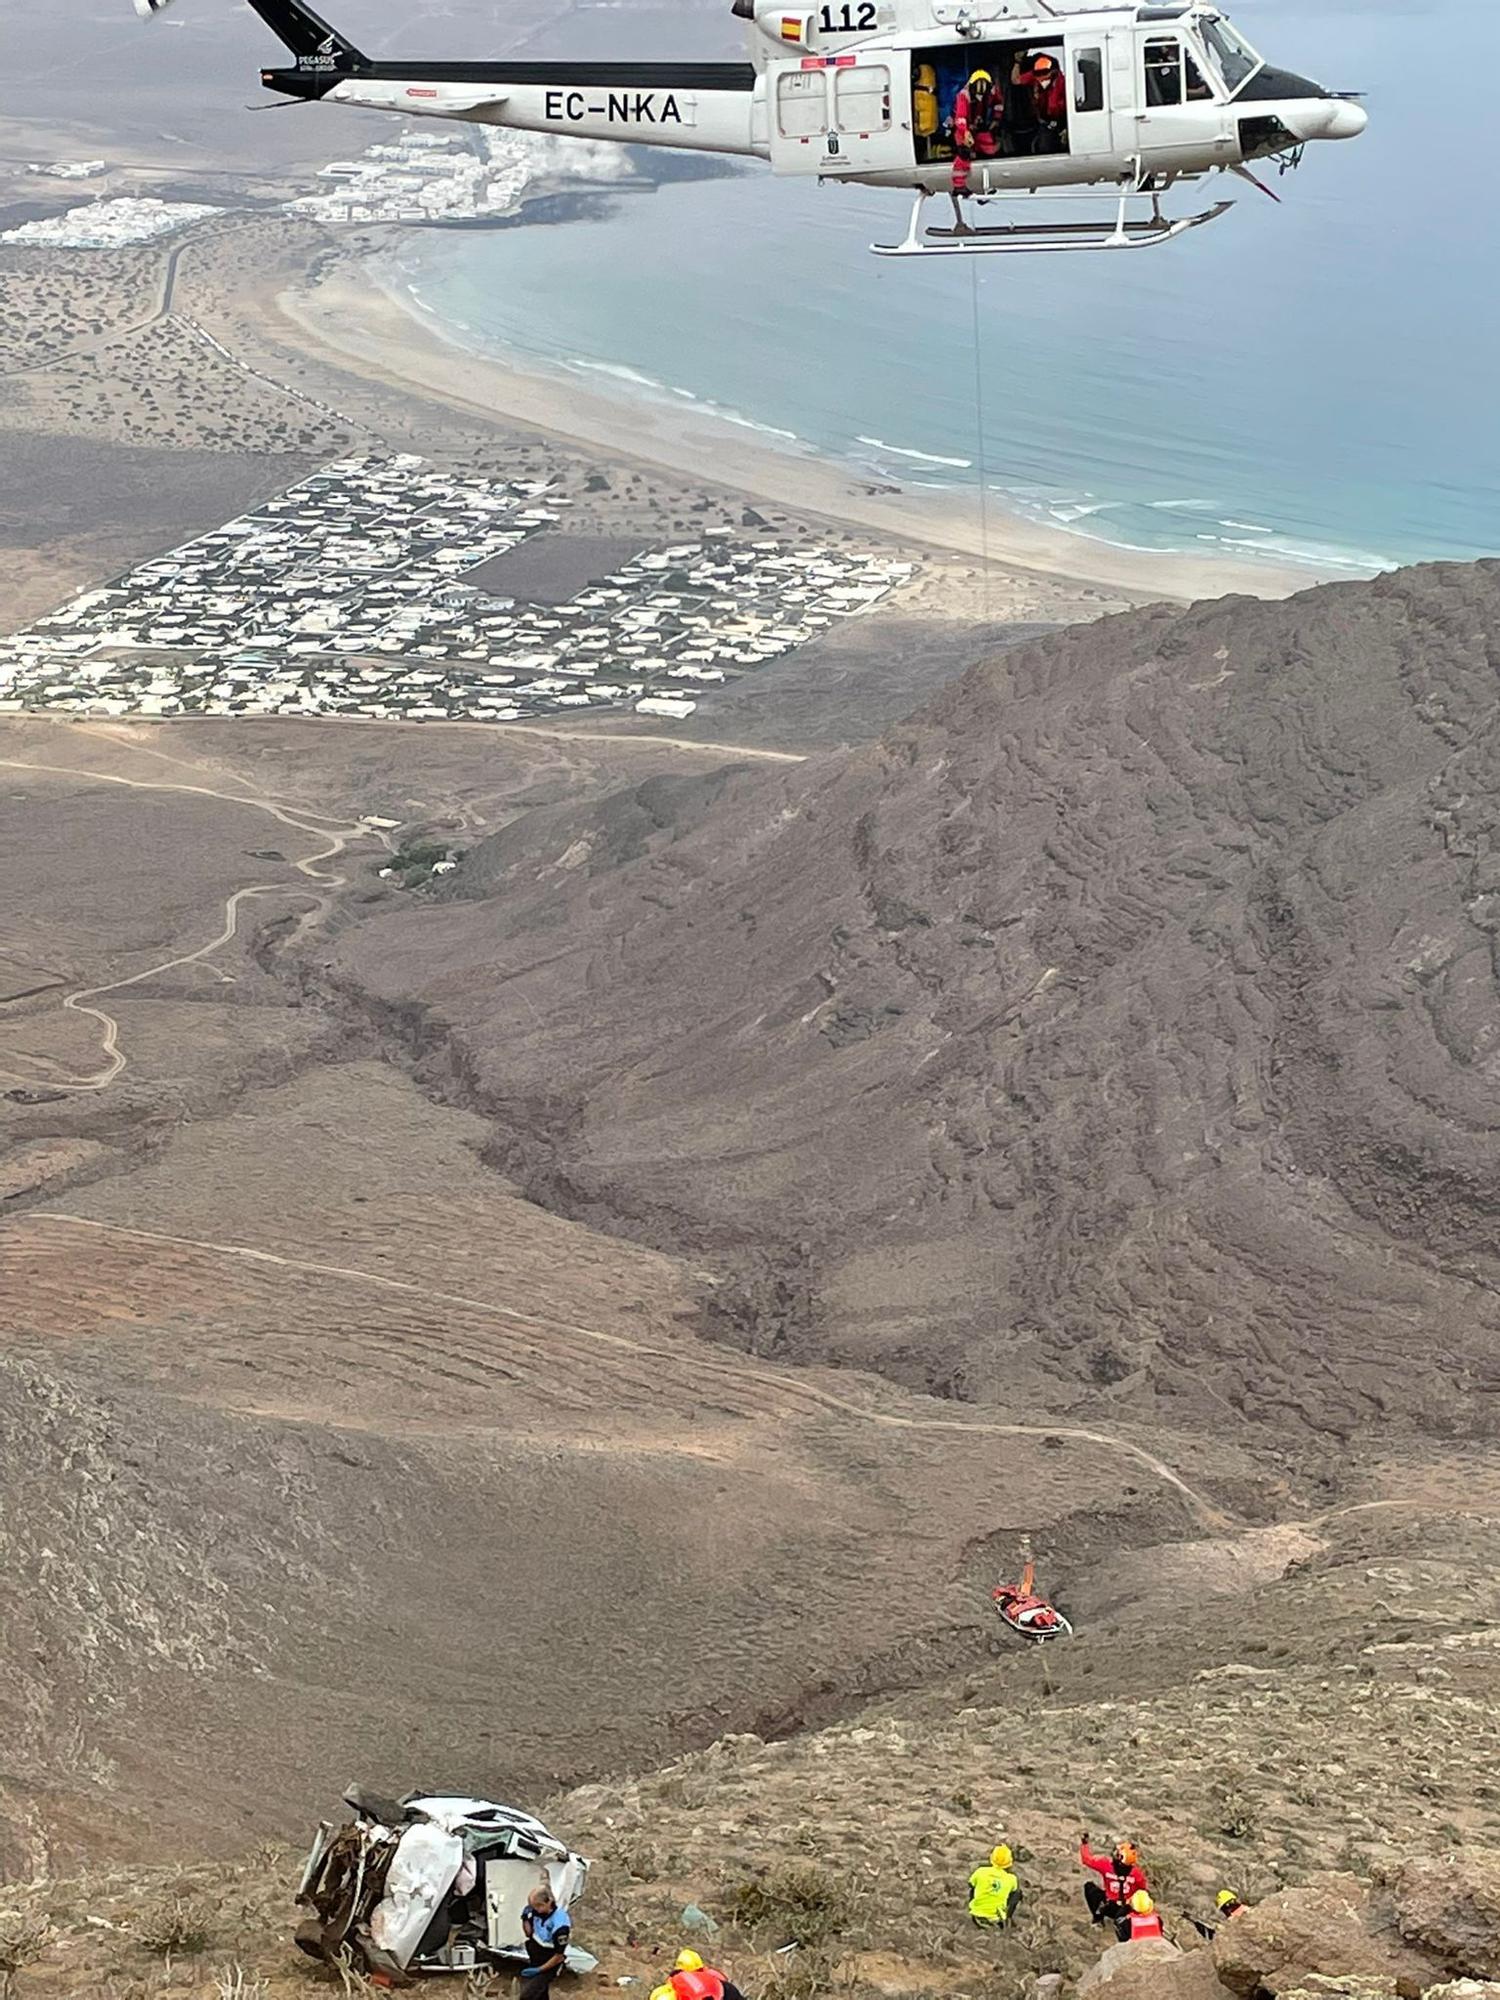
1315 381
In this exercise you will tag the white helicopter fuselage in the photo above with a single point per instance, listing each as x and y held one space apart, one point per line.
843 92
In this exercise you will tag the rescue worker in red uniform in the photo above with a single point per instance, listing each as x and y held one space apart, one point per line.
1121 1876
977 113
1144 1921
1042 76
691 1979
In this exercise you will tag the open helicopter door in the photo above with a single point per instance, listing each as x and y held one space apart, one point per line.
841 115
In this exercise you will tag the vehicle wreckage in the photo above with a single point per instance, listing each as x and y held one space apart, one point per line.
430 1884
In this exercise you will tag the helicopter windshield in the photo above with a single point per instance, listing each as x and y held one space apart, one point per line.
1229 52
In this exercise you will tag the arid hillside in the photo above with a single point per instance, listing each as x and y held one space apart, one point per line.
1122 1031
512 1332
321 1447
1329 1755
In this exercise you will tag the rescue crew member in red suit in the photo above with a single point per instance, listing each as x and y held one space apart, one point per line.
1121 1877
1042 75
976 126
1144 1921
693 1980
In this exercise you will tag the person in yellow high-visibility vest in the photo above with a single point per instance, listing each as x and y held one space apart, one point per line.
994 1891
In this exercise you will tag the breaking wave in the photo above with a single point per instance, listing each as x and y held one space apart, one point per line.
909 451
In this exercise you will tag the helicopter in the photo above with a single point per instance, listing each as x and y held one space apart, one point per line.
1110 106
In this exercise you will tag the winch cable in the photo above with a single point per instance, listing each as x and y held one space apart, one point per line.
979 457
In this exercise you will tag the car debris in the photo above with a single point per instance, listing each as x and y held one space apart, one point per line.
428 1883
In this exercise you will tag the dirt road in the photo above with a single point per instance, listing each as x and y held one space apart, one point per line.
335 837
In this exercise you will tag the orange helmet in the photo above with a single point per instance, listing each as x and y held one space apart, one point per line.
1128 1852
1042 65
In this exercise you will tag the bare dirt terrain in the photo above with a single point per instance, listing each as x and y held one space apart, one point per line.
73 514
297 1379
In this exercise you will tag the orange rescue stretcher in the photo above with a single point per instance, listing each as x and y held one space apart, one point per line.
1027 1614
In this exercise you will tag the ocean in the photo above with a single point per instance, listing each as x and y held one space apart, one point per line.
1312 382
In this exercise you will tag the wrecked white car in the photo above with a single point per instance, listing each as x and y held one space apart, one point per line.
429 1884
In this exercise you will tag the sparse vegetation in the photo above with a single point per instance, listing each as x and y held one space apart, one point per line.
233 1982
1235 1817
793 1902
415 861
25 1936
176 1926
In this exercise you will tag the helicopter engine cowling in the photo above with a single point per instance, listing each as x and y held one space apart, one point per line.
782 30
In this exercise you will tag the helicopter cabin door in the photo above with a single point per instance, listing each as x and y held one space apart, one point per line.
1093 96
842 115
1178 115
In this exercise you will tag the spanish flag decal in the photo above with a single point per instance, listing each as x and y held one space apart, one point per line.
791 27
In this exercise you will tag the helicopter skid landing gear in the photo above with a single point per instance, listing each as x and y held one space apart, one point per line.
973 239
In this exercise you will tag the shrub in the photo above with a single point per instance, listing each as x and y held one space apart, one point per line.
23 1940
794 1901
173 1928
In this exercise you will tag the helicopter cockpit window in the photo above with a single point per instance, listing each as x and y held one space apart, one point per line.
1164 71
1231 54
1172 75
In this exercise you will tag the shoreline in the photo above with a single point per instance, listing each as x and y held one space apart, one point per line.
352 314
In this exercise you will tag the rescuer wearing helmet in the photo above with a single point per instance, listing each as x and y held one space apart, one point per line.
977 114
1226 1905
1042 76
1121 1876
691 1979
1144 1922
994 1891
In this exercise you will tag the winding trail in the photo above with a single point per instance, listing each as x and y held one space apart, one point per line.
686 743
810 1395
336 836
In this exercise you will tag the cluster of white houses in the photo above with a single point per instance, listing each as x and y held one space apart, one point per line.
457 176
347 595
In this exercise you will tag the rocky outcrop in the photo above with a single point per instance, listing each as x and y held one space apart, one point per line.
1331 1928
1337 1939
1148 1970
1450 1906
1130 1971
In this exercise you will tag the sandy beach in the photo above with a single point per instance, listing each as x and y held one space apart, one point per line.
348 314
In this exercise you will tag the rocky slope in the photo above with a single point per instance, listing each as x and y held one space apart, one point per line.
1123 1028
1334 1763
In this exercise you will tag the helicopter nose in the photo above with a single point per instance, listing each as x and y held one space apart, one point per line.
1348 120
1326 118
